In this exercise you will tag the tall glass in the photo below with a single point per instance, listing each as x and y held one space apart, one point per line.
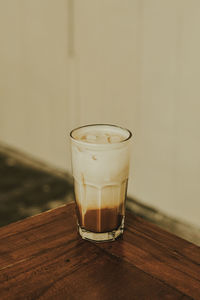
100 164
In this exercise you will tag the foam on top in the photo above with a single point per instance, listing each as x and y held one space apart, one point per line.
100 134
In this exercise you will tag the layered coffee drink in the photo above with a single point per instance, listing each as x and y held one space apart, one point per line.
100 163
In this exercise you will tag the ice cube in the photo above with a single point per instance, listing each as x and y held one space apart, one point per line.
115 139
91 138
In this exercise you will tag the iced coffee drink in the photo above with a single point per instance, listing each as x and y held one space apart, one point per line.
100 163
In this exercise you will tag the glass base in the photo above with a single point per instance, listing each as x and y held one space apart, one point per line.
101 236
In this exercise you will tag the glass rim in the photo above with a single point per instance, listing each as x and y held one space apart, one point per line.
101 124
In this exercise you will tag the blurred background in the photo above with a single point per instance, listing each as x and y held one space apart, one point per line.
134 63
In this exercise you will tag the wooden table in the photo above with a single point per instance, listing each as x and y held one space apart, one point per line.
43 257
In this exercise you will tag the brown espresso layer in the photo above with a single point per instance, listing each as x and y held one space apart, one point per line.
100 220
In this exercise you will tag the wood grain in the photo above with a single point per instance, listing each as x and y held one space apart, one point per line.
43 257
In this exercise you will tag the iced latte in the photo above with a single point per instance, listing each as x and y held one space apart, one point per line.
100 163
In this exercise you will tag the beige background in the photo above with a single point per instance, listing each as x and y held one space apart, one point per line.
134 63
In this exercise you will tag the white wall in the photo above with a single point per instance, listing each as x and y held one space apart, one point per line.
133 62
139 66
34 77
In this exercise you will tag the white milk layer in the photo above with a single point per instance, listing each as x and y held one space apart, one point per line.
100 160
